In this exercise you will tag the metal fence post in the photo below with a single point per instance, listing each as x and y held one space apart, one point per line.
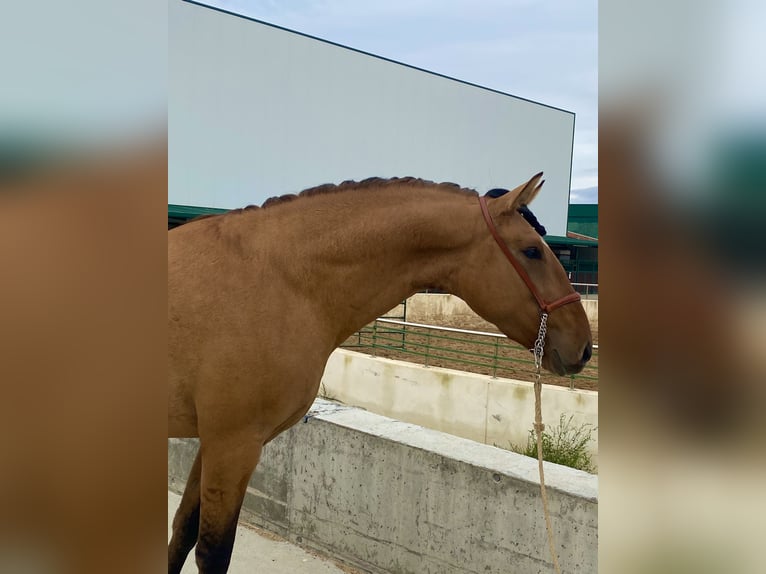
428 346
494 362
374 339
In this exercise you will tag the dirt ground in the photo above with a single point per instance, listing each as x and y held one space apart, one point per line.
406 346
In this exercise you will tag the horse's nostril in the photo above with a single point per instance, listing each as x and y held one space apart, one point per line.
587 353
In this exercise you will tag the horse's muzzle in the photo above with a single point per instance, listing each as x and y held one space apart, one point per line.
587 353
558 366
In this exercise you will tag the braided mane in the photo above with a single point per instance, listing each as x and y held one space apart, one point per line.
371 183
525 212
532 220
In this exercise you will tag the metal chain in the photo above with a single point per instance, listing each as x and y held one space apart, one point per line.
540 342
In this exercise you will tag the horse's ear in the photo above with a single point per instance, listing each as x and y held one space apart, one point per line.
522 195
532 194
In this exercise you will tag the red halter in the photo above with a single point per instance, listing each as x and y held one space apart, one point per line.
544 307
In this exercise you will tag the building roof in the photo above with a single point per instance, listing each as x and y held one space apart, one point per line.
583 220
179 214
573 241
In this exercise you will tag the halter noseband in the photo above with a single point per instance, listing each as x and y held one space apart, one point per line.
545 308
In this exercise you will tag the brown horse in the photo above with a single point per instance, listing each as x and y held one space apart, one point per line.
258 298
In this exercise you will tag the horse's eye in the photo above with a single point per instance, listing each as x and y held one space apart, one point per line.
532 253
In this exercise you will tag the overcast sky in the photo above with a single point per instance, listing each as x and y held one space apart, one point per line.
543 50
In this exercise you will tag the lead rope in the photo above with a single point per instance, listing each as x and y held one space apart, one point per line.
539 428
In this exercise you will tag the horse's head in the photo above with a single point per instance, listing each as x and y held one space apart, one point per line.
510 245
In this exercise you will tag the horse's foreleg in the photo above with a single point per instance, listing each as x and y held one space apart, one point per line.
186 521
226 470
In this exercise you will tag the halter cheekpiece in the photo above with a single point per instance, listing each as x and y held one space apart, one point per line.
545 307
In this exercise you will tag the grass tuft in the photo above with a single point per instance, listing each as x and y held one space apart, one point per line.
565 444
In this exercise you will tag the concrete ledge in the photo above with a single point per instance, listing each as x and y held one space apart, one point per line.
393 497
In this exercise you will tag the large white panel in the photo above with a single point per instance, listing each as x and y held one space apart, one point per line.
256 111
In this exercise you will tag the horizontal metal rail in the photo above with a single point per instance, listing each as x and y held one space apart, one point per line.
586 289
433 345
451 330
438 328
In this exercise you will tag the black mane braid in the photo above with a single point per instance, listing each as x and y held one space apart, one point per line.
532 220
528 216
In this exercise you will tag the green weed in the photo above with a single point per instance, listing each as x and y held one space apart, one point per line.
565 444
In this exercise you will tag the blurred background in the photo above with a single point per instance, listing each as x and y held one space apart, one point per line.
83 184
682 114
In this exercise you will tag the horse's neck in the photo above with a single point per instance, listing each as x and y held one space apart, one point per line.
364 253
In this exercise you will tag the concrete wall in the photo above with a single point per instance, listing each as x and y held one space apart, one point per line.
591 310
437 308
392 497
490 410
434 308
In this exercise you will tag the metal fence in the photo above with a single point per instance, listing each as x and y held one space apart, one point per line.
587 290
474 351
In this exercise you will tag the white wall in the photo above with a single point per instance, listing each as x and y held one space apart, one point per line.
438 308
490 410
256 111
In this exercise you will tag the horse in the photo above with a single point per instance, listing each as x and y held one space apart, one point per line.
259 297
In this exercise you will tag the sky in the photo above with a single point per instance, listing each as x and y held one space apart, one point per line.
542 50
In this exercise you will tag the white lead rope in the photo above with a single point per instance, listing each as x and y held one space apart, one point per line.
539 427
